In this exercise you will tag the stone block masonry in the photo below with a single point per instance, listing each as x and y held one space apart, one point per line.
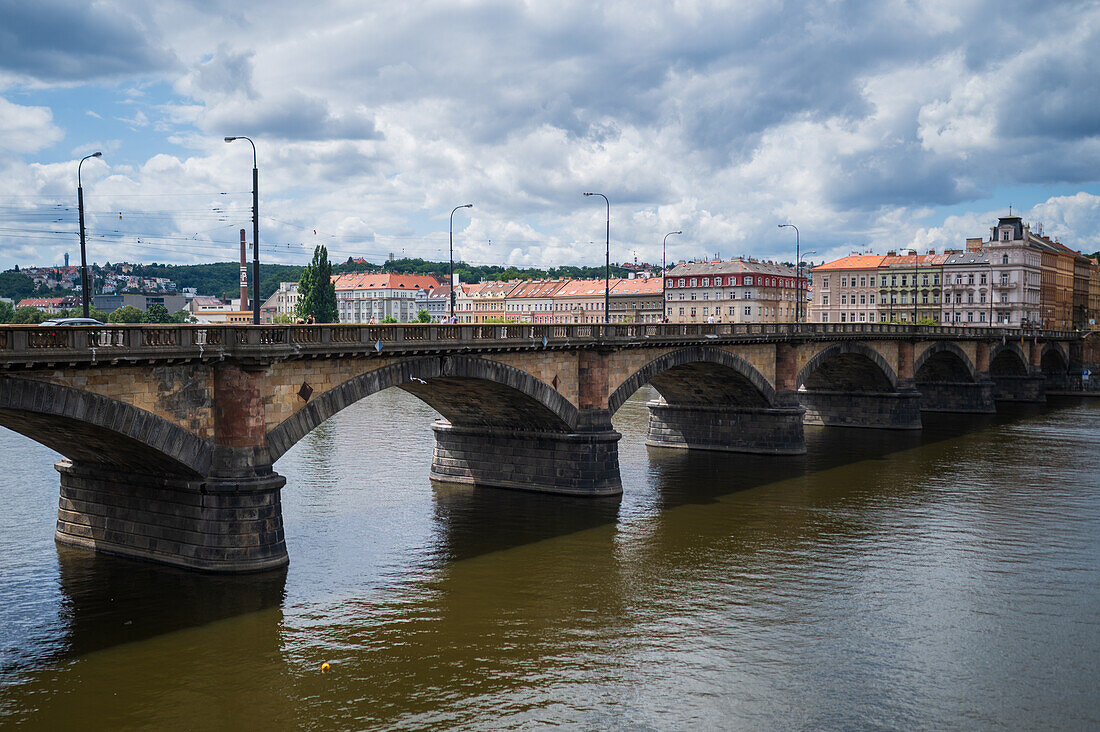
961 397
894 411
212 525
771 431
583 464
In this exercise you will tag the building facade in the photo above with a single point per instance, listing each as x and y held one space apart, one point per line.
846 290
373 298
734 291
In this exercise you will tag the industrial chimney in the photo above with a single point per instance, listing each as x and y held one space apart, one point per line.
244 275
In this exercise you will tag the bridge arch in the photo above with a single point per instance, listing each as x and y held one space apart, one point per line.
699 374
848 366
473 392
943 361
1007 359
94 429
1054 358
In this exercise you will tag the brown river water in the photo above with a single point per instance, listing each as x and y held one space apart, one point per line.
947 579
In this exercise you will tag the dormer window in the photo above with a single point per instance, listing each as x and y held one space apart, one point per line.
1004 234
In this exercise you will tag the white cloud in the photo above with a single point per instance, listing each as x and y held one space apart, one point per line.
26 129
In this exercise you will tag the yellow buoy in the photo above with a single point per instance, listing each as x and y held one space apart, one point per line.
324 667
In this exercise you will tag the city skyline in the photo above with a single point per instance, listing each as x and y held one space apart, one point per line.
872 127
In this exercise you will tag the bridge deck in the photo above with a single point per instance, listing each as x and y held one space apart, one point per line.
25 346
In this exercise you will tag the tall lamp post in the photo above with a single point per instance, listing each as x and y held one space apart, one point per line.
607 264
798 271
451 268
664 266
797 257
84 289
255 231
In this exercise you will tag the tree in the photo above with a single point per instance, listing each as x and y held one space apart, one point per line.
423 317
156 313
125 314
7 312
317 289
182 317
31 316
389 319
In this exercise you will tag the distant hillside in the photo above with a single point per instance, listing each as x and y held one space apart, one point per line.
477 273
221 279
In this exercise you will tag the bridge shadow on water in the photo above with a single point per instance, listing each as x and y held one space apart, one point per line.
108 601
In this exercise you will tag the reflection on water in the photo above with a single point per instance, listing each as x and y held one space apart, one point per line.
942 578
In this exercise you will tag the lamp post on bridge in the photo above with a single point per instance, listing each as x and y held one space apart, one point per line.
451 267
607 264
255 231
664 267
798 273
84 289
797 257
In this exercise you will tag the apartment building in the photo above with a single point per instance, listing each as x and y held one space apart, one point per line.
532 301
371 298
846 290
734 291
637 300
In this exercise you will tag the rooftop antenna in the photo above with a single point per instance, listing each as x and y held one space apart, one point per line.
1010 209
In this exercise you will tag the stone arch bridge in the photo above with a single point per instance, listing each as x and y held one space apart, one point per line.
170 434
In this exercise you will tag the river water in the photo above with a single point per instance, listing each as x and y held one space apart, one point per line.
942 579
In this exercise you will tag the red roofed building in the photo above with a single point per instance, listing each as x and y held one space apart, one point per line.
580 301
847 290
364 297
52 305
637 300
532 301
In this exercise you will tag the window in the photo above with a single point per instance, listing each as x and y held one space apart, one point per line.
958 298
893 299
843 281
843 299
681 311
981 317
862 299
1004 235
681 296
924 281
982 280
970 317
704 311
824 283
872 298
872 280
982 297
748 281
905 298
681 282
748 310
893 280
924 299
693 312
844 317
1004 278
693 282
958 279
824 317
693 296
970 298
706 295
706 282
883 317
732 309
733 295
863 281
824 299
1004 297
862 317
904 281
1004 260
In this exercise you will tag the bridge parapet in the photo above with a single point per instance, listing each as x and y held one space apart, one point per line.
22 345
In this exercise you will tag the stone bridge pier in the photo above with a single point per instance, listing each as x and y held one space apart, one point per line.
852 385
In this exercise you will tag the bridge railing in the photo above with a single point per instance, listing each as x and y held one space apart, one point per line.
28 343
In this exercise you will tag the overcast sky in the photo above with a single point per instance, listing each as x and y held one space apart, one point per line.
871 125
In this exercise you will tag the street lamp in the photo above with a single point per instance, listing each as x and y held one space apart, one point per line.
255 232
451 269
797 257
84 290
664 300
607 264
798 271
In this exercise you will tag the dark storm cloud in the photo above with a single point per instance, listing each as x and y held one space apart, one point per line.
54 41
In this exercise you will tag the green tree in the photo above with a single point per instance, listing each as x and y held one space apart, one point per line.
423 317
156 313
31 316
182 317
7 311
125 314
317 290
284 318
389 319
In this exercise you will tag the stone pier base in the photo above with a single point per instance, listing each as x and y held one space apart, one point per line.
898 410
217 525
773 431
961 397
1019 388
585 463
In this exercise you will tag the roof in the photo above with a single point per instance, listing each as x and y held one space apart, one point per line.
584 288
537 288
856 261
638 286
203 301
383 281
732 266
496 288
39 302
964 258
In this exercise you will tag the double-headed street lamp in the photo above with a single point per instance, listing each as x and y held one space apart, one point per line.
664 267
84 289
255 232
797 303
451 268
607 264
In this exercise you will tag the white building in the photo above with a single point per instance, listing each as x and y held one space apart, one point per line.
366 298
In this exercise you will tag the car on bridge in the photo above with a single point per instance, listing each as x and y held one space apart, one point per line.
71 321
